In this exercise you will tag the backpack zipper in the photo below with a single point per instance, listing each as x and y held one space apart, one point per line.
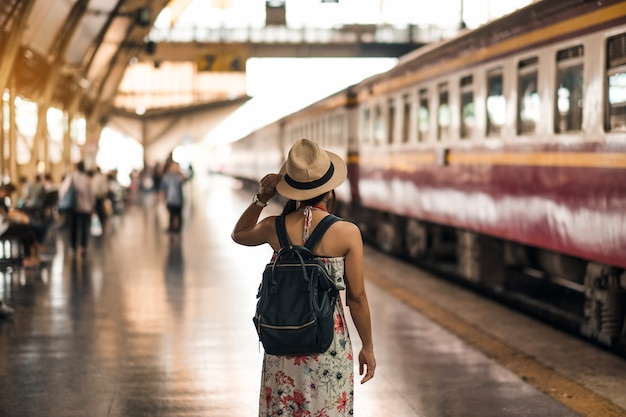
269 326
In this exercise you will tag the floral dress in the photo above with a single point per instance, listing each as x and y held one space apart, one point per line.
320 385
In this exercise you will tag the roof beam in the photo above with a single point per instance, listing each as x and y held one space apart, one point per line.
13 43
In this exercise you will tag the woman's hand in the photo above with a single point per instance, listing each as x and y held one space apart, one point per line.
267 186
366 360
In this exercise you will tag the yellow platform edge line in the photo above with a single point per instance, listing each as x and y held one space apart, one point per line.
543 377
574 159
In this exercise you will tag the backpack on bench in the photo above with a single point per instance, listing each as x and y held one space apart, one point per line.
297 297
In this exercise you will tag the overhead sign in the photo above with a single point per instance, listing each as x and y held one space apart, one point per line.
275 13
222 62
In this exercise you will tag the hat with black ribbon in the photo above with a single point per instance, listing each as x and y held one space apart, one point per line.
310 171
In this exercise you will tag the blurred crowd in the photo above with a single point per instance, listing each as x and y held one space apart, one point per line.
80 204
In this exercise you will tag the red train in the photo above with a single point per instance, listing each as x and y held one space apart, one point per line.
499 155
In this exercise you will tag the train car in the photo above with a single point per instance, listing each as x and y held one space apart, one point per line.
498 156
264 150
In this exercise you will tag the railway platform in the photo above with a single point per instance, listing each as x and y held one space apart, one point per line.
154 324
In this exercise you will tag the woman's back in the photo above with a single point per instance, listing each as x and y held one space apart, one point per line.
327 249
334 243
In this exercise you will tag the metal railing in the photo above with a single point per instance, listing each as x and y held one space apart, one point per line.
281 34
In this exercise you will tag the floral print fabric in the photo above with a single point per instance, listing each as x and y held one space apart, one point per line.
319 385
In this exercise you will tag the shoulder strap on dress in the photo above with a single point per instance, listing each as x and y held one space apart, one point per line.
319 231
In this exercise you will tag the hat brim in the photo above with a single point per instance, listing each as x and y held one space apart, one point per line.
339 176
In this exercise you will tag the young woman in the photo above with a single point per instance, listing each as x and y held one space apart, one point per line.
172 190
80 213
321 384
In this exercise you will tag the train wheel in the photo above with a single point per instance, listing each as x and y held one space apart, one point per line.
416 243
605 305
387 237
480 259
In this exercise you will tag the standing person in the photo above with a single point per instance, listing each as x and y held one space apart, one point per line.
80 214
322 384
157 174
172 188
35 193
101 191
48 183
24 185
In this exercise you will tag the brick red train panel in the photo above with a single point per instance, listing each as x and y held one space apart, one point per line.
578 210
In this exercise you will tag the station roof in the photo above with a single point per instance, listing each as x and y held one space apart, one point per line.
101 54
96 53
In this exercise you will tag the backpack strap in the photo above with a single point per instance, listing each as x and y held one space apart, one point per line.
319 231
281 230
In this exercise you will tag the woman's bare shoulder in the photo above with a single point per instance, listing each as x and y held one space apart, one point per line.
345 235
346 226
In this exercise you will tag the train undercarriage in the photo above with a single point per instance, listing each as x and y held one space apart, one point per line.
583 297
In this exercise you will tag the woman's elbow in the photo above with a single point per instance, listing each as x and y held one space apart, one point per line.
356 299
242 239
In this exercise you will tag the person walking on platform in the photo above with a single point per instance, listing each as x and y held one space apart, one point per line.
322 384
101 190
172 188
80 213
157 174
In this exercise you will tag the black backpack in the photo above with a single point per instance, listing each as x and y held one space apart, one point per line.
297 297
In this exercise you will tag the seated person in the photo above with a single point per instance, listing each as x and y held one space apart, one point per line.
15 224
5 310
38 227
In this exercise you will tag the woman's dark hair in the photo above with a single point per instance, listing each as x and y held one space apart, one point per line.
291 205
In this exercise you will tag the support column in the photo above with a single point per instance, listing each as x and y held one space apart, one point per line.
54 72
12 139
2 137
13 43
66 159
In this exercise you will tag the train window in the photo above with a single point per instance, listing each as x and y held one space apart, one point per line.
319 132
569 94
365 126
391 120
379 126
318 136
467 107
330 131
406 118
496 103
616 73
423 116
443 114
333 123
340 133
528 96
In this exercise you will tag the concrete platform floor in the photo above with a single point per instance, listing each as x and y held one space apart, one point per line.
151 324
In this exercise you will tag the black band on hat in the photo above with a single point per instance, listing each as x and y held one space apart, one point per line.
313 184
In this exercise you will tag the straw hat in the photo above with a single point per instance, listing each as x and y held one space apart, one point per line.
310 171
